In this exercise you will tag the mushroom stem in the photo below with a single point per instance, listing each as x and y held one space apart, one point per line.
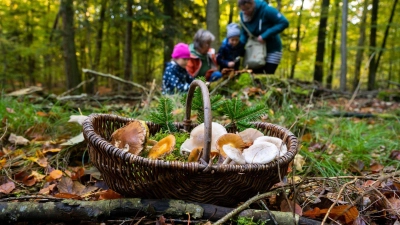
227 161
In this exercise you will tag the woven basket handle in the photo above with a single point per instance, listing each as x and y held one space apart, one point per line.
207 115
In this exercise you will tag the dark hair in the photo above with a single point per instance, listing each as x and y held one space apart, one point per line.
202 37
244 2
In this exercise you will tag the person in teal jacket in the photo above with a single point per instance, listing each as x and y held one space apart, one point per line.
264 22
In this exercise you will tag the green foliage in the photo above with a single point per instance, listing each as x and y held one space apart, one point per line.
249 221
241 115
197 104
244 80
163 115
180 137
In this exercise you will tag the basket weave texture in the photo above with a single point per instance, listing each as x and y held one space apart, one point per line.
135 176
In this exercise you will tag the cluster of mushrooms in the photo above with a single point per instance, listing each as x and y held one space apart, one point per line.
248 146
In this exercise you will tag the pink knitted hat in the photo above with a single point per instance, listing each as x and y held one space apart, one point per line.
181 50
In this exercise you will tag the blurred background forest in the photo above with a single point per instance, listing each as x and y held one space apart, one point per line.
47 42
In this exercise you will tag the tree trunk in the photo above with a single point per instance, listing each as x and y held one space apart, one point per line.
73 76
99 40
231 10
329 78
385 36
128 43
279 4
360 45
69 210
212 18
169 31
372 45
296 52
343 47
319 59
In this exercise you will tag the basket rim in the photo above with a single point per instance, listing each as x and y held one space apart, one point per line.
90 134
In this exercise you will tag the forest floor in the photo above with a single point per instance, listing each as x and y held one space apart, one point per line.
346 171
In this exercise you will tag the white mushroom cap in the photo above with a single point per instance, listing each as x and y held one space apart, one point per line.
250 134
260 153
274 140
188 145
234 154
198 134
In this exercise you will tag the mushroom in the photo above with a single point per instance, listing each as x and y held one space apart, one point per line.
164 146
249 135
260 153
233 154
276 141
196 138
195 154
132 137
233 140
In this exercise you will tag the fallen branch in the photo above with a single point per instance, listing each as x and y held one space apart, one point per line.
115 78
84 97
68 210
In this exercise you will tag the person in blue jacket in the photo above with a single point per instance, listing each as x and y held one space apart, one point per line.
176 78
231 48
264 22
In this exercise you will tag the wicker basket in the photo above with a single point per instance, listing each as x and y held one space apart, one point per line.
225 185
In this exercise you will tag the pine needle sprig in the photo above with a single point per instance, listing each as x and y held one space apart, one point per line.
163 115
197 104
241 115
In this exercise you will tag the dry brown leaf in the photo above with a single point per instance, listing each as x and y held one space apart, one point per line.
47 189
29 180
306 137
376 167
299 162
7 187
109 194
285 207
77 172
55 174
67 195
66 185
344 213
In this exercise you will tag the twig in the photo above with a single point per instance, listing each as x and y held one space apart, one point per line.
336 200
220 85
269 212
387 201
115 78
244 206
78 86
5 131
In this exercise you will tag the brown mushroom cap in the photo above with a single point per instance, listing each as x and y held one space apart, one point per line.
233 140
131 137
250 134
195 154
164 146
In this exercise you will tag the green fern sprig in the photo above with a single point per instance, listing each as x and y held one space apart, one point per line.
163 115
241 115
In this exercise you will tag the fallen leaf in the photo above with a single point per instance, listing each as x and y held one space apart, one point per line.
47 189
306 137
395 203
65 185
75 140
29 180
67 195
7 187
3 162
55 174
299 162
42 114
395 155
344 213
109 194
53 150
288 206
376 167
17 140
10 110
39 177
78 172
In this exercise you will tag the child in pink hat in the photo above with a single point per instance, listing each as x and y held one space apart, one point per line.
176 78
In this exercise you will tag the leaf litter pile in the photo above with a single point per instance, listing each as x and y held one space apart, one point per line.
36 166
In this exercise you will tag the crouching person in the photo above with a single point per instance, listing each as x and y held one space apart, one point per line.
176 78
